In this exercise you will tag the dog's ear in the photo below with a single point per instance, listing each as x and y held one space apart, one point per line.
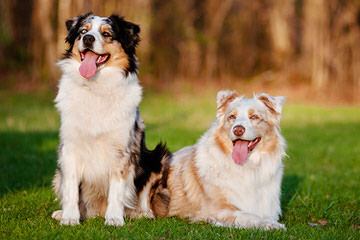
223 99
274 104
72 23
127 33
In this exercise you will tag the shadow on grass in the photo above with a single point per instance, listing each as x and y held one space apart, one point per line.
27 159
290 185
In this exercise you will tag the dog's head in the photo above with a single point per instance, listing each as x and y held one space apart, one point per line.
249 123
97 42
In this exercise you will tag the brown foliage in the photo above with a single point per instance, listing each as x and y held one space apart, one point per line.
315 40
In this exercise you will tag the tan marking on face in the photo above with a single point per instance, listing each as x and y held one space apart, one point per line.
231 117
223 141
105 28
87 26
252 114
221 135
75 52
118 57
270 142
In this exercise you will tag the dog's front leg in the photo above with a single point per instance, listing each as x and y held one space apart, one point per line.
69 188
115 211
249 220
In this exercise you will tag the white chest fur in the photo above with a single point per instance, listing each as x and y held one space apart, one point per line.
102 104
97 116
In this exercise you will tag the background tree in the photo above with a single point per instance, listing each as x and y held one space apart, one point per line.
208 40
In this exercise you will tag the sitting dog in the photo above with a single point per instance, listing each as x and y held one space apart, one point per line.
232 176
102 152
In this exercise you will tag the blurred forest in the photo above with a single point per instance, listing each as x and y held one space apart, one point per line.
313 42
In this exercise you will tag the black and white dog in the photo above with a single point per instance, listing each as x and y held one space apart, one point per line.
103 163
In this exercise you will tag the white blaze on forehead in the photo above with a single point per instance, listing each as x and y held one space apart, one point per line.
242 107
96 23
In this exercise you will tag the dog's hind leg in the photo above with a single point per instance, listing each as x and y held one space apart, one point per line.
56 183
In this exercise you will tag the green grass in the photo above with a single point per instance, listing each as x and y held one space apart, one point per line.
321 181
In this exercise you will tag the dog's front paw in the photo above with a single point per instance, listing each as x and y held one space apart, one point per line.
114 216
271 225
70 217
114 221
69 221
57 215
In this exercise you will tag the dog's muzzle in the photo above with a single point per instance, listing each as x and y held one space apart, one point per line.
88 40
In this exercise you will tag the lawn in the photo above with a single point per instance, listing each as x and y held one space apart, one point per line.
320 191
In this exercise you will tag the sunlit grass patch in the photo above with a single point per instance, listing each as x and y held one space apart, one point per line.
320 198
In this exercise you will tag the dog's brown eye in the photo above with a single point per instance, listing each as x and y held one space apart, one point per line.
83 31
231 117
106 34
254 117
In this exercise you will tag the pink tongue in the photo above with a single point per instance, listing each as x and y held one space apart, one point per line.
88 66
240 151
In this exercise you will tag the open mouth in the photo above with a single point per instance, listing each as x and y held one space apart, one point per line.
100 59
90 61
250 144
242 148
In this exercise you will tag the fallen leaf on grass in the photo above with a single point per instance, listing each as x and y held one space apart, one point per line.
323 222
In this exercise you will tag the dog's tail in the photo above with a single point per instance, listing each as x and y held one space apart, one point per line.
151 162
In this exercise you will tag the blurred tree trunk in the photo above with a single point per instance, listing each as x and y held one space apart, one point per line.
281 16
64 13
15 29
6 33
189 49
345 47
44 40
215 14
139 12
316 40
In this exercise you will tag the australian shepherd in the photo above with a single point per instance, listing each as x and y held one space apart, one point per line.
232 176
102 153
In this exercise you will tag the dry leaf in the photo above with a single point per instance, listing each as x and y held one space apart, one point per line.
323 222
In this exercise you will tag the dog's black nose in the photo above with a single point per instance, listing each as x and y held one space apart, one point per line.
88 40
238 130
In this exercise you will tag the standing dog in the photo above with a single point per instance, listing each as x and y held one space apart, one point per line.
232 176
102 153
